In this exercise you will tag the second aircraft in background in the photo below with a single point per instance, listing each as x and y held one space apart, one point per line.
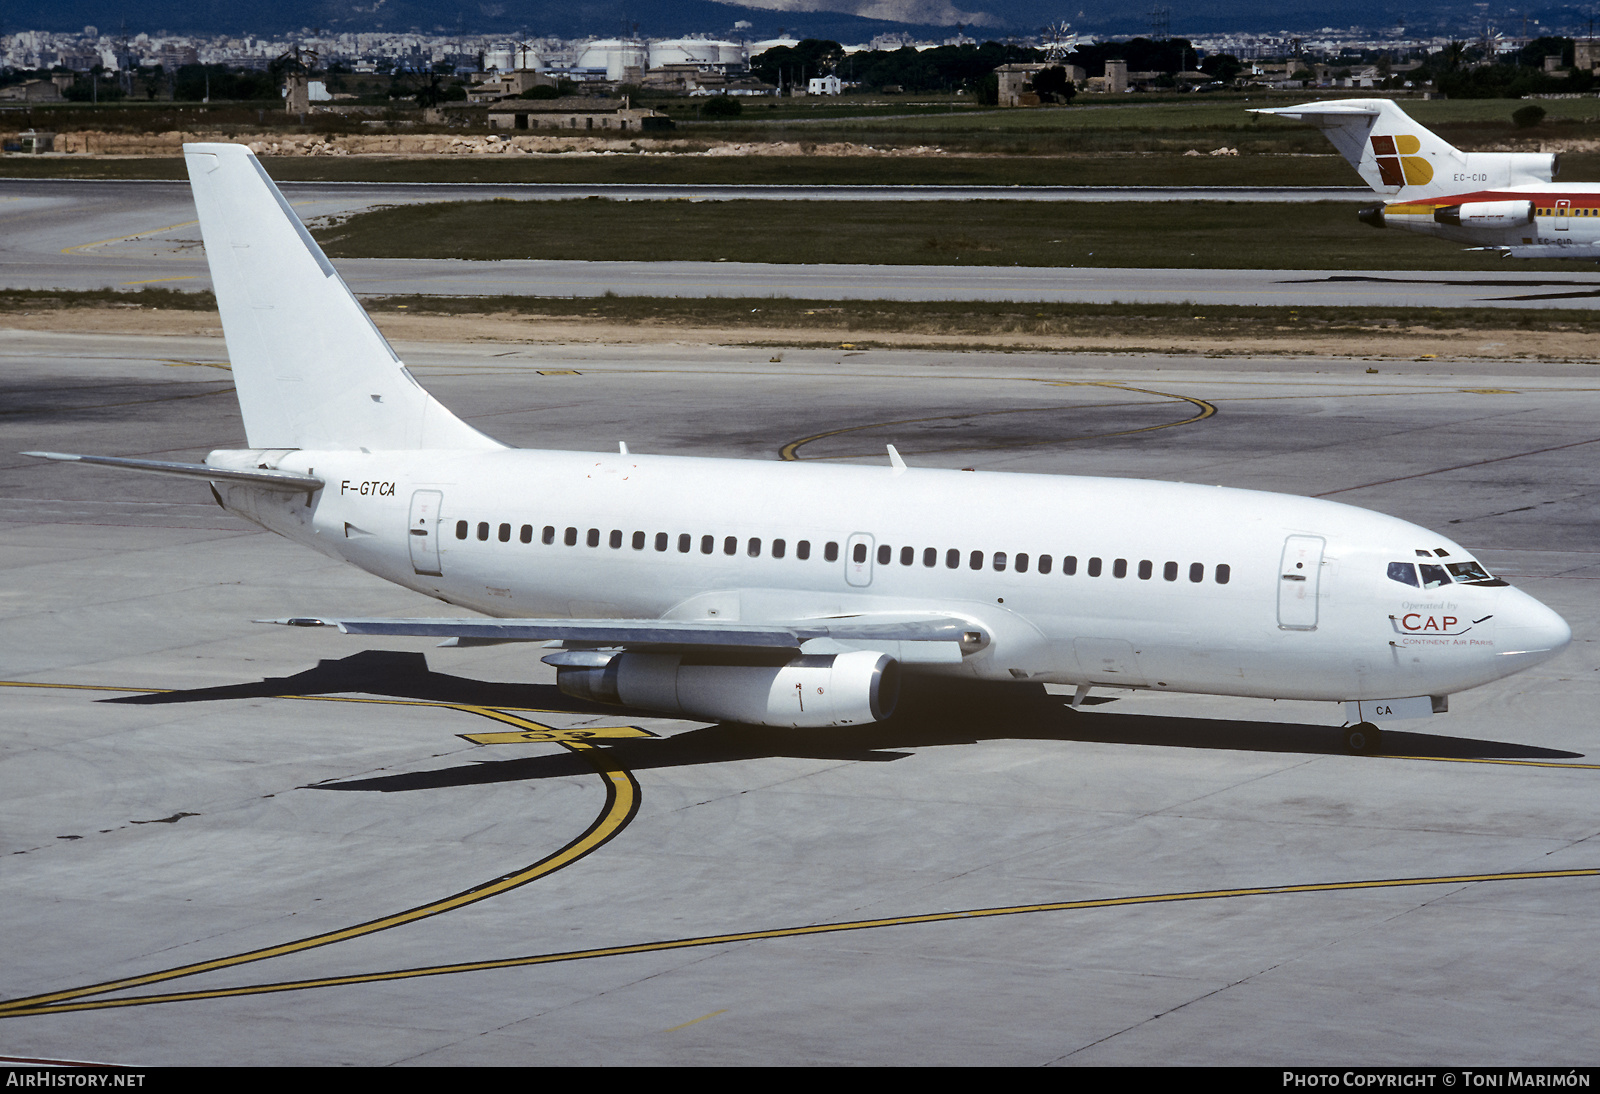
1498 201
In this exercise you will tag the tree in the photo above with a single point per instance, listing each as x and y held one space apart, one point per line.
723 106
1225 66
1053 85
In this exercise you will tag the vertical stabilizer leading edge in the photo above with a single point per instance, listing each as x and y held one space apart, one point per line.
311 370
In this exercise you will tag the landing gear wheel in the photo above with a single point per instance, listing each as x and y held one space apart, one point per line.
1363 739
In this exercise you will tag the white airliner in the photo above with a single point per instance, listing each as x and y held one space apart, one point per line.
789 594
1497 201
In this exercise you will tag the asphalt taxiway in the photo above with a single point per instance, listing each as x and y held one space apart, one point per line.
227 843
59 234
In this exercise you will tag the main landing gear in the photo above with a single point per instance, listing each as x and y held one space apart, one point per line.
1363 739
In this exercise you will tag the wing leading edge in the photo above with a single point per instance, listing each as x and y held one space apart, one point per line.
942 640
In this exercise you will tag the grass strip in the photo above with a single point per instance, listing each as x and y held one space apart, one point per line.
887 316
1161 235
985 319
31 300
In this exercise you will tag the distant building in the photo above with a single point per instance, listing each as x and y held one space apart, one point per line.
824 85
579 116
508 85
1016 81
32 91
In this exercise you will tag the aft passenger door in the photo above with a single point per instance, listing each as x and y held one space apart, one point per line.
1299 576
422 534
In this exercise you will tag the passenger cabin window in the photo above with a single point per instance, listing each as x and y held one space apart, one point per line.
859 553
952 559
1021 564
1044 564
505 533
616 538
483 529
753 548
885 554
593 538
461 529
930 557
831 552
708 544
1145 569
661 541
730 545
526 535
999 560
975 560
570 538
802 550
1197 572
549 535
638 541
684 541
1069 565
1224 571
1169 572
778 548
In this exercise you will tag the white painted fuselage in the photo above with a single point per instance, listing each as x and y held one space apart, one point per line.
1172 587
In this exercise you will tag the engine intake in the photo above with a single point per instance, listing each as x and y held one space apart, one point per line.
805 692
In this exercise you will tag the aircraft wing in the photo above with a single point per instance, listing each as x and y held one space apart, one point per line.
915 640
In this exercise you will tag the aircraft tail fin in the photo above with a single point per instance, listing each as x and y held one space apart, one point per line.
310 368
1408 162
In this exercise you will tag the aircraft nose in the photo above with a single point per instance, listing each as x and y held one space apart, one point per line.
1530 634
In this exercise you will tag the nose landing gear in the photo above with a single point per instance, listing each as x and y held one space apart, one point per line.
1363 739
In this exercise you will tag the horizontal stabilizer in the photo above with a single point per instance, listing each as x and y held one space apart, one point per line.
273 480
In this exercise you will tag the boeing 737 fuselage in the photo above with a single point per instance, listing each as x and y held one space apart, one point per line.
791 594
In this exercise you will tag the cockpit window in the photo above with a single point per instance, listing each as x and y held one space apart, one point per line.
1403 572
1471 573
1433 576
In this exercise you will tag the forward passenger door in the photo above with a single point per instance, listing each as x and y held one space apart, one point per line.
1299 578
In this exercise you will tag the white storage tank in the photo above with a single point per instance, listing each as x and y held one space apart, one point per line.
683 51
615 55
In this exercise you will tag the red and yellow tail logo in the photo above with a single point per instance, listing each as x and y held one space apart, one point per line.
1398 163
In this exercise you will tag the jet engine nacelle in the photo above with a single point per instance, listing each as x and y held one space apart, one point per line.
1486 214
1511 168
806 692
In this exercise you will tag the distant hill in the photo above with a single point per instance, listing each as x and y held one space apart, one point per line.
669 18
553 18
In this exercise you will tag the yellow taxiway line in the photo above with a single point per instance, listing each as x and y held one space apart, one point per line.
34 1006
622 803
